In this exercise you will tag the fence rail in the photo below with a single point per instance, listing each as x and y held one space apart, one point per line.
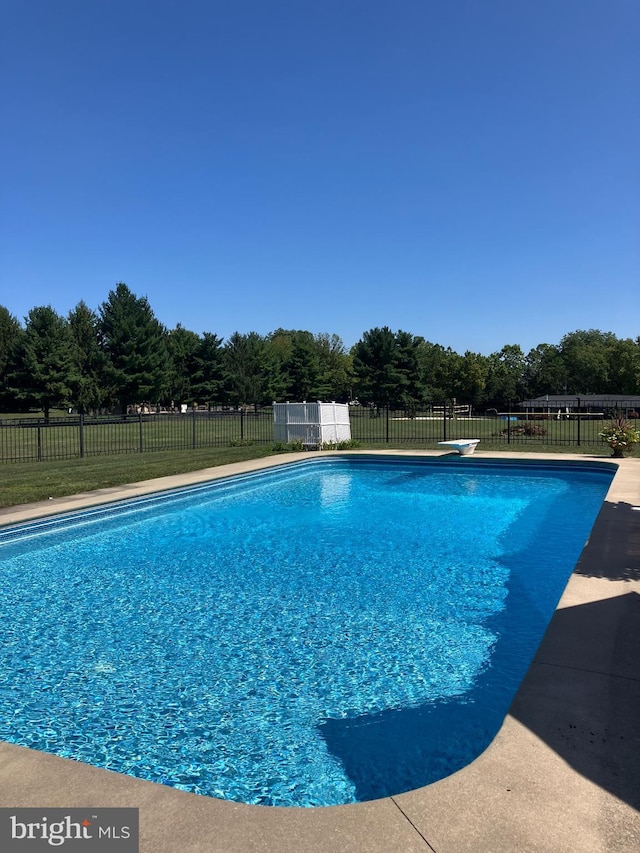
78 436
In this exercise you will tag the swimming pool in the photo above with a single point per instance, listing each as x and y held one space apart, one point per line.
334 631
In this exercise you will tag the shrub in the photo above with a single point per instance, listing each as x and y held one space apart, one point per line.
528 429
293 446
533 429
347 444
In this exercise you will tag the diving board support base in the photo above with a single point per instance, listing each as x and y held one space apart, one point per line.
464 446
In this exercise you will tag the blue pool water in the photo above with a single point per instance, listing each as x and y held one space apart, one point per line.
334 631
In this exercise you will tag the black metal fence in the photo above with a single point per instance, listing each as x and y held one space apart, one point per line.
576 426
78 436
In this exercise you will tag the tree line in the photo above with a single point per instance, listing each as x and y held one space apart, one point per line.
121 356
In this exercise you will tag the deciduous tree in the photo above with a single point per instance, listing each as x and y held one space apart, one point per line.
336 368
586 355
624 368
545 371
505 376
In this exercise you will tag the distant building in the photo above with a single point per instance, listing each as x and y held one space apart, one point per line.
593 404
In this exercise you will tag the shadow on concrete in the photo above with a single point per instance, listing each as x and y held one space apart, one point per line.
582 695
613 548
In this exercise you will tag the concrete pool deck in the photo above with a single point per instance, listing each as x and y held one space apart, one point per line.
563 773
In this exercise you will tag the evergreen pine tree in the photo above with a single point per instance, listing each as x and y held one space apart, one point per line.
45 370
134 343
10 334
89 389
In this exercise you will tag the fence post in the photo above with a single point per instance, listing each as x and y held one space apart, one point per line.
509 422
242 424
444 420
81 435
193 429
578 421
387 423
140 431
39 444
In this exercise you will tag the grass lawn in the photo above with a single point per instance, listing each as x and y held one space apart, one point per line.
26 482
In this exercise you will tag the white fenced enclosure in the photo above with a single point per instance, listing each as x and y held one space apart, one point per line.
314 424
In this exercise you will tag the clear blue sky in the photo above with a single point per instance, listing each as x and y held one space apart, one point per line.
465 170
